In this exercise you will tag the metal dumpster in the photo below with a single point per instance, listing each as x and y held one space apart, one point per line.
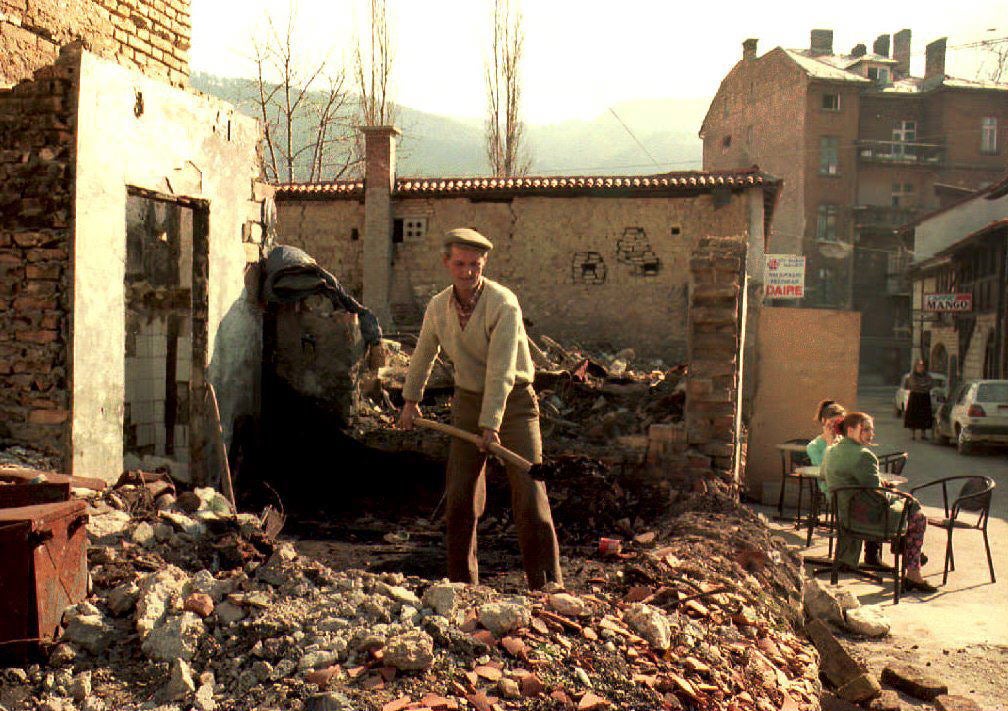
43 569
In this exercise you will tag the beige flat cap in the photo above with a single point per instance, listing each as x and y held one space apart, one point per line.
465 237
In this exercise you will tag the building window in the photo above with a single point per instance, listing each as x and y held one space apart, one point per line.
902 194
904 133
831 102
726 142
829 164
988 135
879 75
826 223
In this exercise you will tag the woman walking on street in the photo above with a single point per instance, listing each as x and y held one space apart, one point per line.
918 415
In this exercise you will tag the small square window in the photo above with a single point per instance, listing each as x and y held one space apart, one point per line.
726 141
415 227
831 102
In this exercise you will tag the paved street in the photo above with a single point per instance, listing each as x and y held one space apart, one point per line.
969 610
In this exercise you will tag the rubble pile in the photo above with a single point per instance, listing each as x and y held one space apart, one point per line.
595 404
195 607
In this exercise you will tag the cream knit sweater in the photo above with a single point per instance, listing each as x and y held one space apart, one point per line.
490 356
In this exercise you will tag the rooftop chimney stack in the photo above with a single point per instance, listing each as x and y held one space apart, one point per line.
934 61
901 53
881 46
859 50
821 42
749 49
379 180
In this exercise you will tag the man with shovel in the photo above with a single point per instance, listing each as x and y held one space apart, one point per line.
478 325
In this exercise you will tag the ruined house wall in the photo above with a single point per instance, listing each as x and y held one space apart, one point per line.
152 36
179 145
600 271
36 154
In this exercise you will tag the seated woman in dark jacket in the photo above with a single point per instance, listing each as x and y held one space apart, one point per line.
849 462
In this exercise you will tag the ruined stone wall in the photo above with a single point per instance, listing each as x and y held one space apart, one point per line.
152 36
599 271
36 192
703 450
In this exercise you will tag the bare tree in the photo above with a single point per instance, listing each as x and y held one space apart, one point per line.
505 132
994 65
373 68
306 113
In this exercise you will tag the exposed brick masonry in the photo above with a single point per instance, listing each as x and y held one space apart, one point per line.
150 35
36 189
702 449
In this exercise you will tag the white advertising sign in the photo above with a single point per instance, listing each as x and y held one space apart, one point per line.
785 276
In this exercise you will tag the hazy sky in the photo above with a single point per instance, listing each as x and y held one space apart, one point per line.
582 56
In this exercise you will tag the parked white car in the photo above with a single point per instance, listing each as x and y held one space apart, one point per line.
938 393
976 413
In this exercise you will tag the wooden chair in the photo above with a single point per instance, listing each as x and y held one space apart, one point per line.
974 497
872 503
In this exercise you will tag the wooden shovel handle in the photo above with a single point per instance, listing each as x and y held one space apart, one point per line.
503 452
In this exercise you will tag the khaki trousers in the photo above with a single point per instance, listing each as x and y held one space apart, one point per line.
466 490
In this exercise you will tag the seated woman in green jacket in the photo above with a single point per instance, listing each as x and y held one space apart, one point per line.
830 415
849 462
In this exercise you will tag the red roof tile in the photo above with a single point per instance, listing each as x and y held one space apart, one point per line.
667 183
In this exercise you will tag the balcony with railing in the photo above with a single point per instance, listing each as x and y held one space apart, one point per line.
901 153
883 217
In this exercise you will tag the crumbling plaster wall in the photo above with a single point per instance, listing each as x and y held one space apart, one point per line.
541 246
152 36
182 145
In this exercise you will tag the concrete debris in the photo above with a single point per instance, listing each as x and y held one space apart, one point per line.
413 651
913 682
178 636
160 593
821 603
143 534
180 681
88 631
651 624
226 617
80 687
505 616
123 599
869 621
441 597
569 605
951 702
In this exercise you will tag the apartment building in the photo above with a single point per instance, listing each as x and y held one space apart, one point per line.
863 147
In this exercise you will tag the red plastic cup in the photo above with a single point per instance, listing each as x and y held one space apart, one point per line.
610 546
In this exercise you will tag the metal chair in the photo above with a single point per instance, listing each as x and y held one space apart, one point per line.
872 502
790 460
893 463
974 497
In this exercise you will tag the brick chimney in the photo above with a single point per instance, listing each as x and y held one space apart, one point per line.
379 179
934 61
881 46
859 50
749 49
901 52
821 42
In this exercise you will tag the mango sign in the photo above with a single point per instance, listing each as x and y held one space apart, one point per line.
785 276
948 303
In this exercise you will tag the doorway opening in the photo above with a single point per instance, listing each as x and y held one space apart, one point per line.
165 350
